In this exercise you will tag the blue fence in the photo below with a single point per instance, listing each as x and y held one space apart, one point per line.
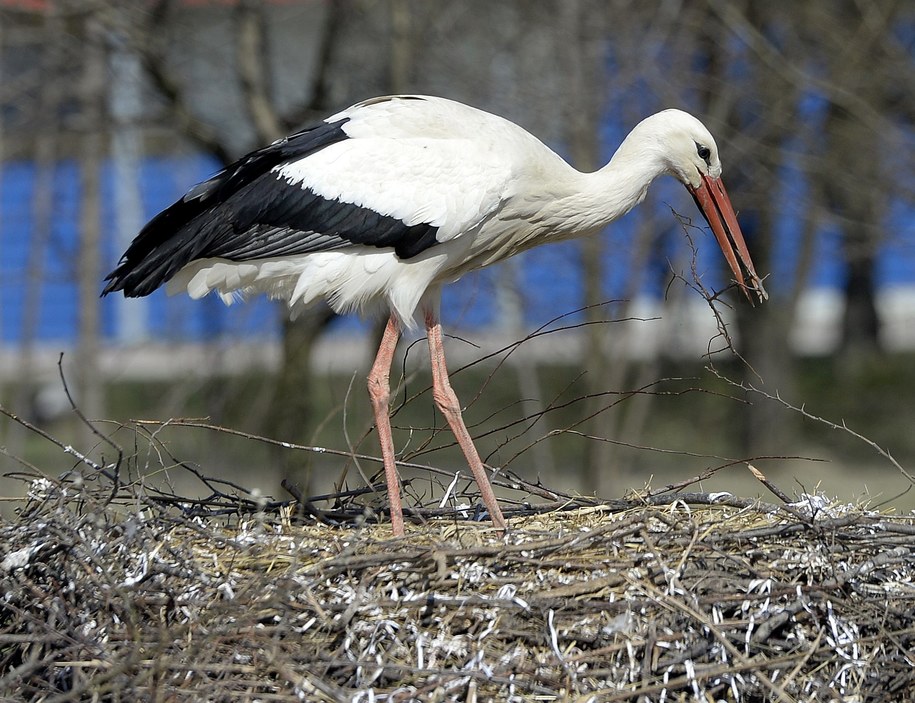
550 276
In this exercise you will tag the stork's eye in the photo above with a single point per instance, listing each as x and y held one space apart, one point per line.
703 151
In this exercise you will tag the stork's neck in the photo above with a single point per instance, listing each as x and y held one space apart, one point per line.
596 199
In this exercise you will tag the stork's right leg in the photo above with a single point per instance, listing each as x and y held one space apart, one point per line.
379 381
447 401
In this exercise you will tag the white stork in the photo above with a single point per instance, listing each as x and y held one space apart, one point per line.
385 202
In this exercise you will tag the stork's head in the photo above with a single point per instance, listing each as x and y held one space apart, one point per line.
691 156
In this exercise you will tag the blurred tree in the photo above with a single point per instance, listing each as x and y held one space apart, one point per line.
290 414
857 212
787 59
759 110
583 53
50 94
90 385
859 60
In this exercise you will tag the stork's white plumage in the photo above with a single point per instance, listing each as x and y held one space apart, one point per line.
385 202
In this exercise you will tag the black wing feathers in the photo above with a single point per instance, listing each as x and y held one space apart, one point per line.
246 212
189 228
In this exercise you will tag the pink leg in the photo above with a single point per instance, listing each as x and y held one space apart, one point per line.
380 392
447 401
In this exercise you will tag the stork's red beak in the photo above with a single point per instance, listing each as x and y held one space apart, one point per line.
713 201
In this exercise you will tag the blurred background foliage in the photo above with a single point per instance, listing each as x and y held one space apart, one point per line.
109 111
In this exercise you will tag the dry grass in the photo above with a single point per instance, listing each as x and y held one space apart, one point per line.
112 593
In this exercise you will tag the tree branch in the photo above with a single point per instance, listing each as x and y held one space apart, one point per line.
252 74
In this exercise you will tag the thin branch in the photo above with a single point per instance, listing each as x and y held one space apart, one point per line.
152 45
801 410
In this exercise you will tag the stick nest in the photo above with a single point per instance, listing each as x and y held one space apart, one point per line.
110 596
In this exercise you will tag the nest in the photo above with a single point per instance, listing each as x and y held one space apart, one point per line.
110 593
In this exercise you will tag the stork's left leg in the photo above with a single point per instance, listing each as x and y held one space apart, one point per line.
447 401
380 393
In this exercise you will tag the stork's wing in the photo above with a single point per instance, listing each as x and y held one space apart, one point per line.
319 190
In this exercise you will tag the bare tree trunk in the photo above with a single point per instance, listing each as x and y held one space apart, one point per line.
584 99
89 271
46 145
2 162
251 55
292 408
762 330
857 195
857 210
292 417
401 46
527 375
125 104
